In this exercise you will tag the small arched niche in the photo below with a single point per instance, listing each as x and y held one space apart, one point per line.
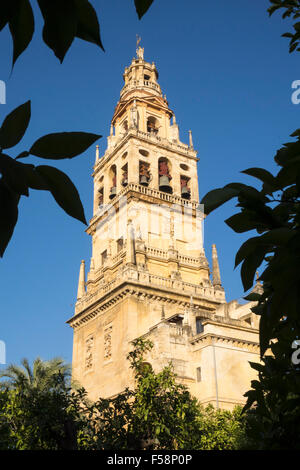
143 152
184 167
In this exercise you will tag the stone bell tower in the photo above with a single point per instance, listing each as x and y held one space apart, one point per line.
148 274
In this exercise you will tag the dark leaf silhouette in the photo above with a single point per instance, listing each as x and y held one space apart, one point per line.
14 126
63 191
63 145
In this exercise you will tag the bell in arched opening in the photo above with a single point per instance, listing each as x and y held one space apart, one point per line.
164 176
185 190
144 173
113 189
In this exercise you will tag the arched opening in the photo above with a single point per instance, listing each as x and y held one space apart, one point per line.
125 126
144 172
152 125
185 187
164 175
113 180
199 325
100 197
124 180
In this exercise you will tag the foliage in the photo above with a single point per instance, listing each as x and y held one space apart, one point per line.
64 20
45 413
274 421
18 178
42 376
274 213
35 419
292 10
161 414
222 429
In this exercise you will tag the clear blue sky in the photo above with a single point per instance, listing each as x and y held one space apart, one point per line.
227 74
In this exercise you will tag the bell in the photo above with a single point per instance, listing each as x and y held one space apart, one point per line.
113 192
185 194
144 180
164 184
125 182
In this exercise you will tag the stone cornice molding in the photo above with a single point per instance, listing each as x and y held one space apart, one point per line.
142 293
206 339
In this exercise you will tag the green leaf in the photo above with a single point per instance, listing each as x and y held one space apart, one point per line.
63 191
257 366
142 6
15 174
14 126
21 25
63 145
241 222
261 174
88 27
217 197
8 214
247 248
60 25
253 297
249 267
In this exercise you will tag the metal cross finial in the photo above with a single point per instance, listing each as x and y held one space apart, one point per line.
138 40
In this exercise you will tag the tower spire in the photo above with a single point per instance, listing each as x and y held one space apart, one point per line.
215 268
81 281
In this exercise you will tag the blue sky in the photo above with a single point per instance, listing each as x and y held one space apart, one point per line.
227 75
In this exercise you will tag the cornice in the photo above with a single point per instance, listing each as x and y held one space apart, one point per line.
129 288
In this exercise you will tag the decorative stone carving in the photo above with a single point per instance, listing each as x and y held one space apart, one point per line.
89 346
107 343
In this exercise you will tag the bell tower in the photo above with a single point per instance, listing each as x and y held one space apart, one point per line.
148 274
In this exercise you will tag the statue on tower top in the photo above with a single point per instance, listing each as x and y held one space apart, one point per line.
139 49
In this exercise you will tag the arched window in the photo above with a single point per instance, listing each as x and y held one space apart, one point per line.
164 175
124 180
100 197
144 172
113 180
152 125
199 325
185 187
